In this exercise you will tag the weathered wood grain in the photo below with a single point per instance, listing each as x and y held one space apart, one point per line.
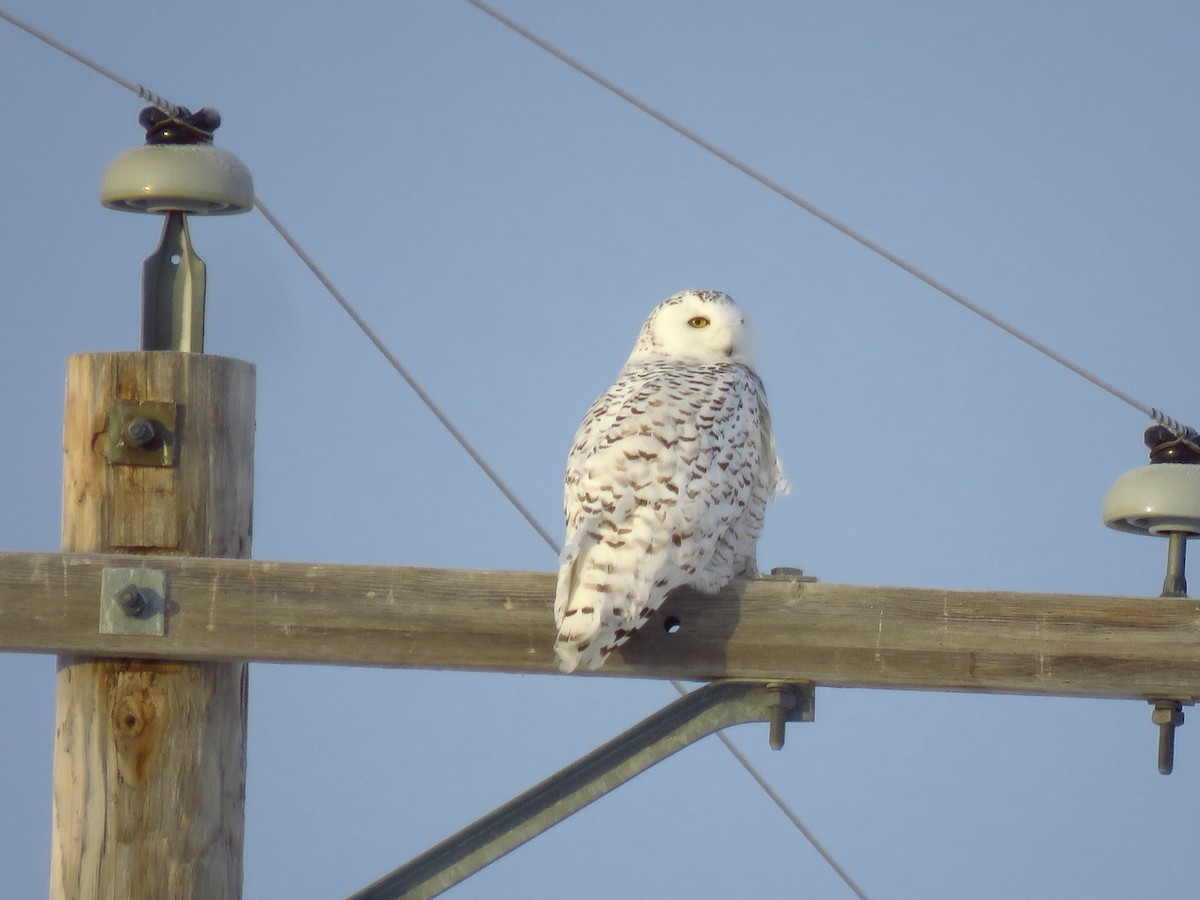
150 756
832 634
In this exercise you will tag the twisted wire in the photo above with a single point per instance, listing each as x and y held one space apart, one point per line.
1185 433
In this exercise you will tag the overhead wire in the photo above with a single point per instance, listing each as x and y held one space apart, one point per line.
148 95
412 382
784 807
791 196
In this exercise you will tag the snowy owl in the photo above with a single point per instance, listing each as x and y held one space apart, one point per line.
668 478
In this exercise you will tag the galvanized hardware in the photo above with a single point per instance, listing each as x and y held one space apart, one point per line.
133 601
1167 715
1175 582
788 703
704 711
142 433
173 286
784 696
787 573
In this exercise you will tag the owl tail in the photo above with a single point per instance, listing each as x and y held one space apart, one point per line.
593 605
576 612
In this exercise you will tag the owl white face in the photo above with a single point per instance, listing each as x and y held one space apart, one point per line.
700 327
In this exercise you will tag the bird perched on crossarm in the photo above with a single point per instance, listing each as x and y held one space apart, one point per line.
668 478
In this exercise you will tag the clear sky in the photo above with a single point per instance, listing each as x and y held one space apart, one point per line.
506 226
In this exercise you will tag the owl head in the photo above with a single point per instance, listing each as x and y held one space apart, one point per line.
700 327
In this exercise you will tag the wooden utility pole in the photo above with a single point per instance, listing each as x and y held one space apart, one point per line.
150 756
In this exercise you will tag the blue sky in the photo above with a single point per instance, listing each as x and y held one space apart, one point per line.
506 226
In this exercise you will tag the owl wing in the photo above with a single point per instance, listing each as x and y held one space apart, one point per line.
618 495
664 467
729 486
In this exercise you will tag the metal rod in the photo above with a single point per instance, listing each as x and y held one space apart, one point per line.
706 710
1166 749
783 700
1175 584
1167 715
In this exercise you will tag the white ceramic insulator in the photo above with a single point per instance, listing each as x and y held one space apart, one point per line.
1155 499
193 178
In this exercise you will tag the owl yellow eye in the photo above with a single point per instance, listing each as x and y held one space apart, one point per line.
698 321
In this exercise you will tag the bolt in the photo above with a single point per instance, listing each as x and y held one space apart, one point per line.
778 728
132 601
141 433
1167 715
783 700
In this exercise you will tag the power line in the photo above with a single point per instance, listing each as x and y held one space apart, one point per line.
855 235
753 771
149 96
421 393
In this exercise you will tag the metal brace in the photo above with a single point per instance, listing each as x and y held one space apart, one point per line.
133 601
706 710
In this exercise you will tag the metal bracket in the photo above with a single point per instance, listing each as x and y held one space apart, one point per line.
133 601
142 433
706 710
173 285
